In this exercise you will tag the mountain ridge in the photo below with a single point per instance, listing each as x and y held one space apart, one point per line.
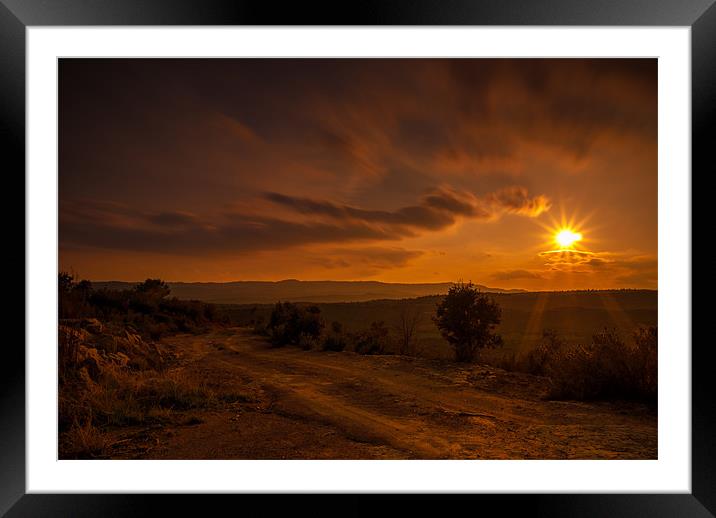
293 290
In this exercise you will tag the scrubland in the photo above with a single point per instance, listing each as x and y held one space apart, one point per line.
147 376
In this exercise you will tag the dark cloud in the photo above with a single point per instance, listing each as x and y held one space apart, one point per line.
438 209
123 228
128 126
447 201
116 226
416 216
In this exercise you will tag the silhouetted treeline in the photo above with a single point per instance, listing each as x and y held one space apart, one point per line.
147 307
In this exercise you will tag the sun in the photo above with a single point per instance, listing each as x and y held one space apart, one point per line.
566 238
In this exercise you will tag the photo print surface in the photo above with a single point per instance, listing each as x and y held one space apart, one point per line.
357 258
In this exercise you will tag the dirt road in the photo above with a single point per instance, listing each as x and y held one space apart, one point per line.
313 404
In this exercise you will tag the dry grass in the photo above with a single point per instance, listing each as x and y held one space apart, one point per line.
123 397
83 441
607 368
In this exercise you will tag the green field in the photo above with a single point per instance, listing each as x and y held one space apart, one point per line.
575 315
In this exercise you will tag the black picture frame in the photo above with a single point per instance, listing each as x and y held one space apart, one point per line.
16 15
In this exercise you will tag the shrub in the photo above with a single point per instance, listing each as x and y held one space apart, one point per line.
147 307
308 341
290 324
334 342
607 368
153 289
646 356
541 359
74 297
335 339
260 326
466 318
372 340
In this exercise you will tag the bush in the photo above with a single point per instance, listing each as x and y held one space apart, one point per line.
607 368
74 297
540 360
646 355
335 340
466 318
293 324
308 342
334 343
372 340
260 327
147 307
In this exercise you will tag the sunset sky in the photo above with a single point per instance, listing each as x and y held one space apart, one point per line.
392 170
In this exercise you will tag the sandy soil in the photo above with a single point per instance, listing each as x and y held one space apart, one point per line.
298 404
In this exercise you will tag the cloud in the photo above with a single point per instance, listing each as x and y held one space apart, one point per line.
570 260
516 200
400 220
451 202
625 269
515 274
596 262
438 209
117 226
351 122
124 228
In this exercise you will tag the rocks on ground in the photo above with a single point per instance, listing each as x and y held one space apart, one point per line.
87 344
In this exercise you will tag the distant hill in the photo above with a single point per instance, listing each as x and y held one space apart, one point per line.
261 292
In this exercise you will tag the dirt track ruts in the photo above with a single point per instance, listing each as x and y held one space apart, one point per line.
313 404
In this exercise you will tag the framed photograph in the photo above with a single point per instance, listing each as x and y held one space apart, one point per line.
427 249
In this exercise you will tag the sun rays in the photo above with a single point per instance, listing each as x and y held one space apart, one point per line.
566 240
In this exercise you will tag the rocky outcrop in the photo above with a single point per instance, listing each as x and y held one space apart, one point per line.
87 348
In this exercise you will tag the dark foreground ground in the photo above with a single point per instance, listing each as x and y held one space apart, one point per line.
298 404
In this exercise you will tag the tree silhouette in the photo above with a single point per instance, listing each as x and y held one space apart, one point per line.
154 289
466 318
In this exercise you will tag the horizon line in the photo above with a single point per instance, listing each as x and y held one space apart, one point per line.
376 281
